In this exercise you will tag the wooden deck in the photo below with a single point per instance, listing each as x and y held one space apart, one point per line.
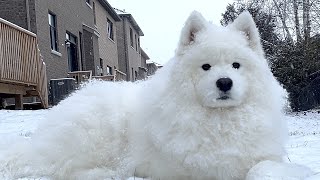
22 70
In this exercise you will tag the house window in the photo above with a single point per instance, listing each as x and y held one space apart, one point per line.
136 42
110 29
53 31
88 2
131 38
101 67
109 70
136 75
94 13
132 72
139 45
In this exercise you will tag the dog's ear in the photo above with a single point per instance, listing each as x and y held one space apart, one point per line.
194 24
245 24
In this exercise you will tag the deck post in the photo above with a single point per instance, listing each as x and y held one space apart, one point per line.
19 102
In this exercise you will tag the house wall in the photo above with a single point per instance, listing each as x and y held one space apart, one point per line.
71 15
19 12
107 47
88 55
129 57
33 17
76 17
142 74
144 61
152 68
14 11
122 45
133 54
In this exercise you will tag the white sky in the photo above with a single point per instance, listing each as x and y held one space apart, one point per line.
161 21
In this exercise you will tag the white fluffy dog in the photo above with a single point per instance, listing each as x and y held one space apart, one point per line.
212 112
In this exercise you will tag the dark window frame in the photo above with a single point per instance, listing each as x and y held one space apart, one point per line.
136 41
132 73
136 75
139 45
110 29
101 66
109 70
52 18
94 13
131 37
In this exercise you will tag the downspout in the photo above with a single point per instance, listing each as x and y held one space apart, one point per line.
34 99
125 49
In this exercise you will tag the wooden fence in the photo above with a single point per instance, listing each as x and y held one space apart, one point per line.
20 61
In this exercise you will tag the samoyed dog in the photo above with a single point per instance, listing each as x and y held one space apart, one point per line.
212 112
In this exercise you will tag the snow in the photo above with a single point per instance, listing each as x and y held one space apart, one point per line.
304 143
303 146
267 170
15 125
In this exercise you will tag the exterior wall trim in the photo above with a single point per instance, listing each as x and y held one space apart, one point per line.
110 10
92 30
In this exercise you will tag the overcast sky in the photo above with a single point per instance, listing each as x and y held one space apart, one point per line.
161 21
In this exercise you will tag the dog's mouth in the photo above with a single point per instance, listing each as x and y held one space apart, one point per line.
225 97
223 100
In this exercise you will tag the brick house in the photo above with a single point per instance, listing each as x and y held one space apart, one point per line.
72 35
105 19
129 51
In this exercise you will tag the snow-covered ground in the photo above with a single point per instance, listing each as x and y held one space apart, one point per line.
304 142
303 146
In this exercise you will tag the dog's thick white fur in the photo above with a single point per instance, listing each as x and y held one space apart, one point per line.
180 124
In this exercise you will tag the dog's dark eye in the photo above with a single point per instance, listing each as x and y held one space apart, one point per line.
236 65
206 67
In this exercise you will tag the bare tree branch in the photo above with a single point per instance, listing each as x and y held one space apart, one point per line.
306 21
283 21
296 20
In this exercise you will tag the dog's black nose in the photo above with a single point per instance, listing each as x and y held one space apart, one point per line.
224 84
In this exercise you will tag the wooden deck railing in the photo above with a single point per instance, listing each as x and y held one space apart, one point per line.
105 77
120 76
80 76
83 76
20 60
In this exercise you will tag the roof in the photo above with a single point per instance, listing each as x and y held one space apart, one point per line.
110 10
144 54
155 63
135 25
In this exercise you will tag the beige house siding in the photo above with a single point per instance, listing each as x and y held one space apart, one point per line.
67 21
142 74
72 16
121 45
107 47
129 56
134 54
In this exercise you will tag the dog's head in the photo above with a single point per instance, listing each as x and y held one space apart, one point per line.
223 64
